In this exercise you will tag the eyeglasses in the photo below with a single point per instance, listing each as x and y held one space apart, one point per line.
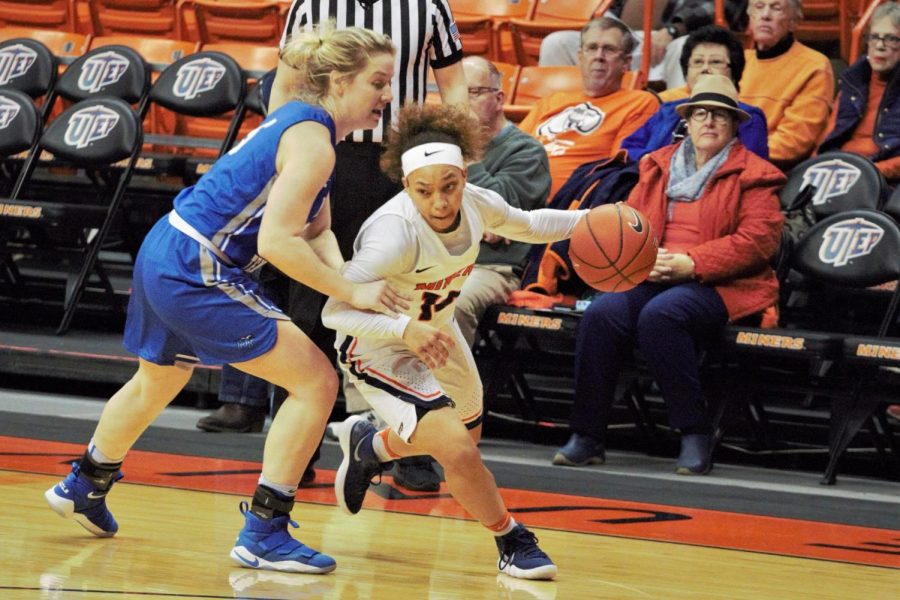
475 92
759 8
889 41
716 64
719 115
609 51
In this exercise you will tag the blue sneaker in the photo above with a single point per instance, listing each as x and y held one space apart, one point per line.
77 497
359 466
579 451
266 544
520 556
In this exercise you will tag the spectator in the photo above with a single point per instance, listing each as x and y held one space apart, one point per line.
715 207
708 50
791 83
679 18
578 127
515 166
359 187
867 119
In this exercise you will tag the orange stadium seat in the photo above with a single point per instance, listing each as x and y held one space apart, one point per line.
143 17
549 16
484 25
39 14
65 45
245 21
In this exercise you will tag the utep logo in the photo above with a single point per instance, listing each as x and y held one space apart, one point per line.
849 239
583 118
8 112
196 77
15 62
101 71
831 178
89 125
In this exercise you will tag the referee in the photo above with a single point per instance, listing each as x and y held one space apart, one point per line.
425 35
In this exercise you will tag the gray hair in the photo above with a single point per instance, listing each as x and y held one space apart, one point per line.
890 10
604 23
495 74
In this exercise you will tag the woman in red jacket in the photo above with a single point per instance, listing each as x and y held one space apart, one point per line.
715 208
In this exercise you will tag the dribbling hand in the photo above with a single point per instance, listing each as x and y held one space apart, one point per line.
379 296
430 344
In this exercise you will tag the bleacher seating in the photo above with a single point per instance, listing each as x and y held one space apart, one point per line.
154 18
546 17
64 227
484 25
246 21
39 14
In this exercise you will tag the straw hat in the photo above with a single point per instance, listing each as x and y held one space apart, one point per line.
713 91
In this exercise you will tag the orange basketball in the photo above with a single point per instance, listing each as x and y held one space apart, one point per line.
613 248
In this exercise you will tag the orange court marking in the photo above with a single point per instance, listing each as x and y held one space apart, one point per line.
582 514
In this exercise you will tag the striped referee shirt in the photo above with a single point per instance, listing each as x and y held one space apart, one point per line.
422 30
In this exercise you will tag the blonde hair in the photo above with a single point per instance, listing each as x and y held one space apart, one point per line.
325 50
420 124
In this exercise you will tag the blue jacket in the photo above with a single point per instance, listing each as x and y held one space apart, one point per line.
657 131
853 85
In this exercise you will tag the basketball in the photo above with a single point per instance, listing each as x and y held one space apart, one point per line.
613 248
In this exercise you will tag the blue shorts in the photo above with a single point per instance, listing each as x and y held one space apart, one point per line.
187 306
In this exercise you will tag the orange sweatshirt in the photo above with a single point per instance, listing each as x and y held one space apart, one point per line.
575 128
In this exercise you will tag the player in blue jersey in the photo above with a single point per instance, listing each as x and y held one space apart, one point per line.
194 301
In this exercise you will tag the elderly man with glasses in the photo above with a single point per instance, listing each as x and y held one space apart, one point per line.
792 83
579 127
710 50
867 118
515 166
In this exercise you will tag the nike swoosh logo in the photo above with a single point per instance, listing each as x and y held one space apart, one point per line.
356 450
425 269
432 152
253 563
95 495
638 226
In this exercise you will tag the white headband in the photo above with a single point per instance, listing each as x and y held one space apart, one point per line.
432 153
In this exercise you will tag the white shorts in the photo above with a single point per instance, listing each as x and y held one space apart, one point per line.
401 388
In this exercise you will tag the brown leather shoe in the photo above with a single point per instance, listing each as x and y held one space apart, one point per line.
234 418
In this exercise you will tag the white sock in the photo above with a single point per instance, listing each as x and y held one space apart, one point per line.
99 458
287 490
380 450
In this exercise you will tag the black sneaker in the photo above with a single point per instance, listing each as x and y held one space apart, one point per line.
520 556
417 473
359 465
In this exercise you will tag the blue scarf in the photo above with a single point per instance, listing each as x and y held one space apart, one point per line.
686 182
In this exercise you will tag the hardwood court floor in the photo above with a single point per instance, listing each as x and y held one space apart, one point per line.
174 541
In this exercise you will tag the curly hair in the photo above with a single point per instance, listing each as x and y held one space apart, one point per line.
420 124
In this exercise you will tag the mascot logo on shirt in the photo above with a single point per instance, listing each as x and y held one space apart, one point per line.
849 239
582 118
89 125
15 62
196 77
831 178
101 71
8 112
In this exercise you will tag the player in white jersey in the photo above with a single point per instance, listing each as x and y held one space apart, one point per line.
194 299
415 369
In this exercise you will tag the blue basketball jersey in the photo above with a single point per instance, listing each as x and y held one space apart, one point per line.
227 204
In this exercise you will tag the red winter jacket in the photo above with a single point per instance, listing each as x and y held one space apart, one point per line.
740 229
